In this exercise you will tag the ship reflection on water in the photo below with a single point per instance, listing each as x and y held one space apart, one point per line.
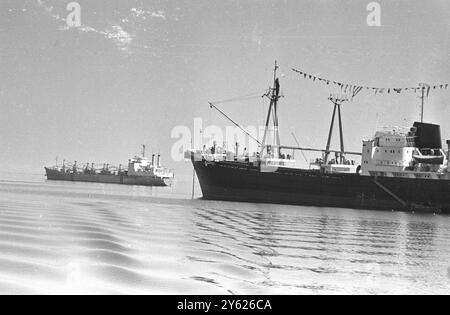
324 251
95 238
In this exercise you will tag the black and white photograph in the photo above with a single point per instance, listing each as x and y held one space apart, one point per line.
224 153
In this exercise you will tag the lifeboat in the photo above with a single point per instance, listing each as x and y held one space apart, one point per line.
429 159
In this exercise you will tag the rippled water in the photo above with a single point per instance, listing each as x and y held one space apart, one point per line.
58 237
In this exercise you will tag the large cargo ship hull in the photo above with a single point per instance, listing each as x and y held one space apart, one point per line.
108 179
234 181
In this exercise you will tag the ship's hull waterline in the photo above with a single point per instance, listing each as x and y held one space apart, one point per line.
108 179
234 181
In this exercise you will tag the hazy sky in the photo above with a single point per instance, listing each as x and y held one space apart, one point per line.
135 69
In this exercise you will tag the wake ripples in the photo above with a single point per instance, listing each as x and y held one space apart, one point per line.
87 239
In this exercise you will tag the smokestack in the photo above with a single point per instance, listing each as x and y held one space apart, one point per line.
237 151
159 160
153 160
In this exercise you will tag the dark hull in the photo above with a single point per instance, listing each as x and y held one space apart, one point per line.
108 179
233 181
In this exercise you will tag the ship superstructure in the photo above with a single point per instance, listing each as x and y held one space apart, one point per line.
415 153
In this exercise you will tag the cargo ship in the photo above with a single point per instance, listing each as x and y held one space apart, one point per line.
141 171
401 169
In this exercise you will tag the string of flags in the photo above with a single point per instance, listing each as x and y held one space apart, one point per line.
355 89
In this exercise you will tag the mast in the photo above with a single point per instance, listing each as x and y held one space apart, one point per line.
273 112
337 101
423 101
143 150
422 97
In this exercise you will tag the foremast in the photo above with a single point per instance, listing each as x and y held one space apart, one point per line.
272 150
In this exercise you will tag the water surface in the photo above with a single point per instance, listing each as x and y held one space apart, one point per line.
62 237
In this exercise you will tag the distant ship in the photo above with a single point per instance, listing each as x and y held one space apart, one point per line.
401 169
141 171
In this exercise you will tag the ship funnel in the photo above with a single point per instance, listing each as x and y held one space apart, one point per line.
153 160
159 160
428 136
